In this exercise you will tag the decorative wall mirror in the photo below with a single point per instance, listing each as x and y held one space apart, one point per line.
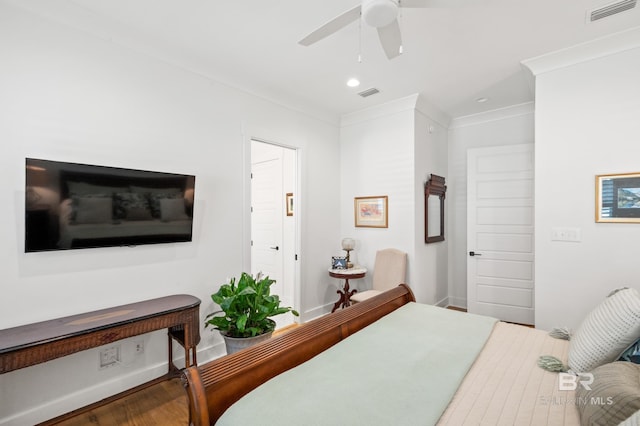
434 191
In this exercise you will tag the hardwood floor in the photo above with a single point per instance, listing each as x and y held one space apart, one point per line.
164 403
455 308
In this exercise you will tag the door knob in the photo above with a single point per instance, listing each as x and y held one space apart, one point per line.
473 253
275 248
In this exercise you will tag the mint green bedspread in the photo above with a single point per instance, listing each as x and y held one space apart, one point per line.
401 370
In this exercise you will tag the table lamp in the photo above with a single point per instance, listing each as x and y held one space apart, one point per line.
348 244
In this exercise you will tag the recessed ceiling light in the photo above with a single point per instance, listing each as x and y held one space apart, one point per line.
482 100
353 82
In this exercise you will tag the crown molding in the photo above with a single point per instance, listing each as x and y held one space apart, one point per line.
493 115
594 49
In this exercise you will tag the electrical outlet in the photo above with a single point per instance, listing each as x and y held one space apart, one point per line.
139 347
109 357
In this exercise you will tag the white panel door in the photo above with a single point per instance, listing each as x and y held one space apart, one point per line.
267 210
500 230
267 223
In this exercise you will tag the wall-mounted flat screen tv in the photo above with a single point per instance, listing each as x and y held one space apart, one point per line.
72 206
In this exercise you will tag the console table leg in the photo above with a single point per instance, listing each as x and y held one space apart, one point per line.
172 368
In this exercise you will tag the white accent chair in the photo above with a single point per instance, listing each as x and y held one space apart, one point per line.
389 270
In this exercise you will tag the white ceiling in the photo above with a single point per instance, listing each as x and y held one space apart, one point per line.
452 56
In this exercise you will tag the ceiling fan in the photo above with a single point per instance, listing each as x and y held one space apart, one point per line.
380 14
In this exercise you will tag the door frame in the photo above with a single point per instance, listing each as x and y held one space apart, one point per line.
297 217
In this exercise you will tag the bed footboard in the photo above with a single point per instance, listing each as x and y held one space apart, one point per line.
215 386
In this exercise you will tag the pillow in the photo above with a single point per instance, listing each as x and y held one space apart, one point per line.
93 210
613 397
154 201
75 200
130 205
172 209
606 332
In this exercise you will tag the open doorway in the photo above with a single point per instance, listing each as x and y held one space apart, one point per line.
273 220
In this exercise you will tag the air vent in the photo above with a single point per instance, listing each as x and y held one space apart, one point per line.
369 92
610 9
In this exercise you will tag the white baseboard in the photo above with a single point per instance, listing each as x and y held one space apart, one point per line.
458 302
443 303
316 312
210 353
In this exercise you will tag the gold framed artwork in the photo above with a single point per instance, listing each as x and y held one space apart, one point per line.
289 203
371 212
618 198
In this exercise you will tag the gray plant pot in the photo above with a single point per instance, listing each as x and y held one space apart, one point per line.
235 344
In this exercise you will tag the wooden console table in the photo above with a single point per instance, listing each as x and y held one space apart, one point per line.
43 341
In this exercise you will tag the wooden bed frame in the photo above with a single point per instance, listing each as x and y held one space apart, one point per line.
215 386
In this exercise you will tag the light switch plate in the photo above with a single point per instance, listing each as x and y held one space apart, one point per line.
566 234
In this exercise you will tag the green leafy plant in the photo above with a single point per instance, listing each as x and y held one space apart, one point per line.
246 307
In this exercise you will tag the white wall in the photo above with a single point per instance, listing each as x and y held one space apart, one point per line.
586 124
66 95
430 153
387 150
507 126
376 157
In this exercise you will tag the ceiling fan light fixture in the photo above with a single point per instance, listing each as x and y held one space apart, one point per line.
379 13
353 82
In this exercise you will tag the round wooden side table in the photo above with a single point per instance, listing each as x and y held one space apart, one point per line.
345 293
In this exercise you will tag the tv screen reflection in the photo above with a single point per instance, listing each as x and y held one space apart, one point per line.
72 206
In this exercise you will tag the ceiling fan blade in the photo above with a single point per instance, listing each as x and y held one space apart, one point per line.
332 26
391 39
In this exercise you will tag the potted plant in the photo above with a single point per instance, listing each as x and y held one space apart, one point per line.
246 308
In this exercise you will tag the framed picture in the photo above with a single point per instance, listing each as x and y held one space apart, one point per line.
618 198
371 212
289 203
339 262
